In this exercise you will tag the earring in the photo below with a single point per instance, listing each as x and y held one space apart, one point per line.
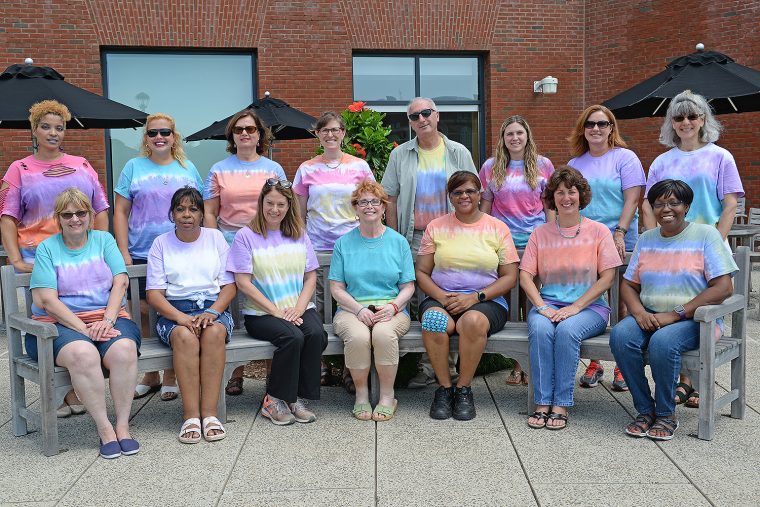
383 216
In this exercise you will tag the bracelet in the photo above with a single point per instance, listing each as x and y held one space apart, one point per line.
395 306
542 308
110 321
621 229
212 312
360 310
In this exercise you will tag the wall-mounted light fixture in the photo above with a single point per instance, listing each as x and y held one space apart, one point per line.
546 85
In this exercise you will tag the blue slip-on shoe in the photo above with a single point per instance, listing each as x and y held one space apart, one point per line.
110 450
129 446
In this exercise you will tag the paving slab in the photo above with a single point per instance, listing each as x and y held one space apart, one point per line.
301 498
619 495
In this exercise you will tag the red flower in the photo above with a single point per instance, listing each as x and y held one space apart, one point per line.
356 107
359 150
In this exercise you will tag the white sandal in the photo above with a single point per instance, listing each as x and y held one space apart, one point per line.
192 425
211 423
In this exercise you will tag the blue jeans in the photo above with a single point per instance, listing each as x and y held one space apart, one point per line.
554 354
628 343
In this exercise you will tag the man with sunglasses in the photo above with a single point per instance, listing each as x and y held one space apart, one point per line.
415 180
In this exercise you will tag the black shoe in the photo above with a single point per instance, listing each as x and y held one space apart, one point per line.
464 404
443 403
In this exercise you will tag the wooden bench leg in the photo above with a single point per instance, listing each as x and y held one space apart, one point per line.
18 403
374 385
221 407
48 417
738 382
706 427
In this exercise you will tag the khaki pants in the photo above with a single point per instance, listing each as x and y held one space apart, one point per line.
359 340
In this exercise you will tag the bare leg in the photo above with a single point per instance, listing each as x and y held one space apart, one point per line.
212 355
186 351
360 376
121 361
472 328
387 375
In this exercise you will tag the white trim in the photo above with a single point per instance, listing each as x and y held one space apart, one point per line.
442 108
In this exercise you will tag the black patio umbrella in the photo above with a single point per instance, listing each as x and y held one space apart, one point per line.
284 121
728 86
23 85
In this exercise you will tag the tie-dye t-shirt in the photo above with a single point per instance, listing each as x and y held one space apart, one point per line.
277 265
329 214
710 172
430 197
201 279
150 187
33 186
568 267
673 271
515 203
238 184
467 256
375 282
83 278
609 176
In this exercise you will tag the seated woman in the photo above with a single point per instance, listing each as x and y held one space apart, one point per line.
466 263
192 299
575 260
78 282
675 269
372 298
275 268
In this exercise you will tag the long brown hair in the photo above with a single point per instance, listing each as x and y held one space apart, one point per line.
502 157
577 139
264 134
291 226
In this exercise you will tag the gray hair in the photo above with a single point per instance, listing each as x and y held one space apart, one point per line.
426 99
686 103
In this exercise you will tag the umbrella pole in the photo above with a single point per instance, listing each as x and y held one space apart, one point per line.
271 143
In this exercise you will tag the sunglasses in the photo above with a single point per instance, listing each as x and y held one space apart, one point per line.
163 132
470 192
425 113
602 124
273 182
691 117
68 215
670 204
250 130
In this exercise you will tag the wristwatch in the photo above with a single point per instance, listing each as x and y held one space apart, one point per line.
481 296
679 309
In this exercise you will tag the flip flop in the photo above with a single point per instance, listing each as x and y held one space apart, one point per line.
383 413
692 404
142 390
234 386
514 378
211 423
362 408
683 397
541 416
192 425
555 416
169 393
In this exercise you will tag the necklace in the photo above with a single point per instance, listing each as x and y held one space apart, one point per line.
338 164
374 242
577 231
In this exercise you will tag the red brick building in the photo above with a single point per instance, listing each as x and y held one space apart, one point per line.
304 51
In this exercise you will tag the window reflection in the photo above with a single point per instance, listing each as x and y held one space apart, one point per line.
446 79
383 78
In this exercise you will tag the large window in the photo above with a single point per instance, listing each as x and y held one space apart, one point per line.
388 82
196 88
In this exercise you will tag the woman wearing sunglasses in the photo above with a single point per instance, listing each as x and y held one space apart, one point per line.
275 269
143 194
616 177
233 185
690 130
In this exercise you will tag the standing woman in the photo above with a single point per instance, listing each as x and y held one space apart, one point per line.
616 177
275 268
28 193
143 194
231 193
513 180
690 130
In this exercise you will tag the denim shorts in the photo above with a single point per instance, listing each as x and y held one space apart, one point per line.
66 335
164 326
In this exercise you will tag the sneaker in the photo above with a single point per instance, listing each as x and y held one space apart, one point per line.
277 411
422 379
618 382
593 374
301 412
464 404
443 403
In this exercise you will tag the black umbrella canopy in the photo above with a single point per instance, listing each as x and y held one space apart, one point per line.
284 121
728 86
23 85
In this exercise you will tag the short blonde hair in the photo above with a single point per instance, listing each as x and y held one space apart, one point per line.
369 186
178 150
77 198
40 109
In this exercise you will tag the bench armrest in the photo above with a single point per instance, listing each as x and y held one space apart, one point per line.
45 330
709 313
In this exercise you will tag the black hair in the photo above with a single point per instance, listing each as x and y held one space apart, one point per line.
459 178
190 193
677 188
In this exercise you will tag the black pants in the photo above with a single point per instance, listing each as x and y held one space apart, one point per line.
296 362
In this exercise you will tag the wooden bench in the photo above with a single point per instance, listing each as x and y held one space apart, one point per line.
510 342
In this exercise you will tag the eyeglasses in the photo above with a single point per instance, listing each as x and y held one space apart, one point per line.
602 124
366 202
470 192
250 130
671 204
691 117
273 182
163 132
68 215
425 113
334 131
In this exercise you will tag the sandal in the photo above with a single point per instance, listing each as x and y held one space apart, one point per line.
640 426
683 396
541 416
142 390
169 393
192 425
324 373
362 411
514 378
524 378
211 423
692 404
555 416
663 424
384 413
234 386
